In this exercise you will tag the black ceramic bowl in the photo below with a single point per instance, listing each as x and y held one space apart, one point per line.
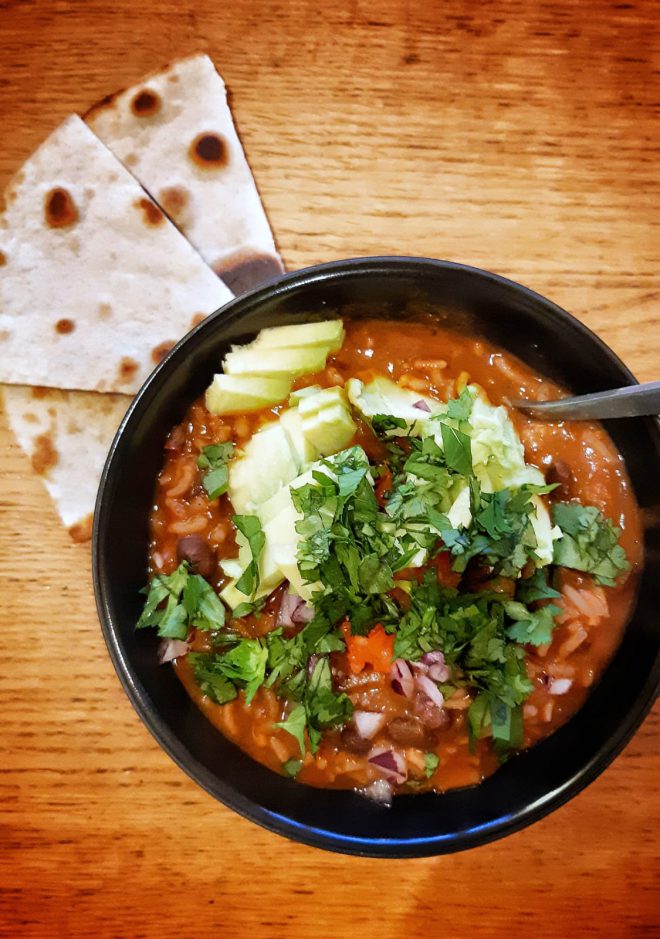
526 788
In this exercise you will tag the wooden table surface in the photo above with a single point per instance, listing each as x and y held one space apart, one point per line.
517 136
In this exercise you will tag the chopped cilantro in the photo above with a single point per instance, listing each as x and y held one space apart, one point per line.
431 763
459 409
243 666
250 527
214 459
533 628
457 450
202 604
178 601
382 424
211 679
589 542
319 709
292 767
245 609
535 588
295 725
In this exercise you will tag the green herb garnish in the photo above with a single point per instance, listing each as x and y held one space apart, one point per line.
178 601
250 527
214 459
589 542
431 763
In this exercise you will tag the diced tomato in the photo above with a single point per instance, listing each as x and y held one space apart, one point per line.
446 576
375 649
410 573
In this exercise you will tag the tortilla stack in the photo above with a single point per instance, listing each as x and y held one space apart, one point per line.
96 284
174 132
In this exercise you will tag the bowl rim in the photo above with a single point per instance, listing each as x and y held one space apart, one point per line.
281 824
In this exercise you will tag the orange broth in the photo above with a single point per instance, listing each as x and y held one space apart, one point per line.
437 362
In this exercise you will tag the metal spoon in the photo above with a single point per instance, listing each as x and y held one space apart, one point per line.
634 401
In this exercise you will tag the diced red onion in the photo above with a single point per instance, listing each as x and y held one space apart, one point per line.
379 791
439 672
171 649
435 666
303 613
288 604
560 685
293 610
389 762
401 678
430 689
368 723
422 406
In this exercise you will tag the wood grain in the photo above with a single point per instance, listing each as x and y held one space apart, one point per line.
518 136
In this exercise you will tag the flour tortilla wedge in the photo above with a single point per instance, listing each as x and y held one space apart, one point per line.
95 283
66 435
174 131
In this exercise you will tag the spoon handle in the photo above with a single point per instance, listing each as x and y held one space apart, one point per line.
633 401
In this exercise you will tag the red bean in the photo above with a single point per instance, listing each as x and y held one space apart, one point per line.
409 732
353 742
195 550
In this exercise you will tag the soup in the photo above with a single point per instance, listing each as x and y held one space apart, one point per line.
431 584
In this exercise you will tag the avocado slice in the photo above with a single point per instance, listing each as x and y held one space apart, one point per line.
237 394
329 334
304 451
266 464
326 420
275 363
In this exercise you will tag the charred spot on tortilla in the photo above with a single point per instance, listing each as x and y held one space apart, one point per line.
104 310
4 334
30 418
130 159
174 199
64 326
3 258
197 318
159 352
247 269
146 103
45 456
127 368
152 214
82 530
39 392
60 209
209 151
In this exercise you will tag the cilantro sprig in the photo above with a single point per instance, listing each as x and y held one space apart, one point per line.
319 708
589 542
250 527
214 460
179 601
